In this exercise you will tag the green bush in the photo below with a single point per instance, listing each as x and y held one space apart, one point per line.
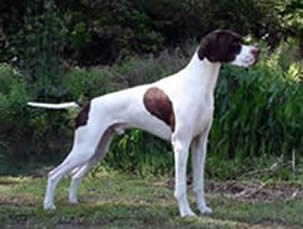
13 96
89 83
103 32
23 130
140 153
257 114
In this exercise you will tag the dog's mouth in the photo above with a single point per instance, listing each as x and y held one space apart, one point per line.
250 61
246 63
255 56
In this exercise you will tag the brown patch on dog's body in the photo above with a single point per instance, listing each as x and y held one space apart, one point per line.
82 117
159 105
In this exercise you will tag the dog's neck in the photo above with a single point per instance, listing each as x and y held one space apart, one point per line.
203 73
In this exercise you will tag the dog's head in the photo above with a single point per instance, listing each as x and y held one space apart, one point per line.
224 46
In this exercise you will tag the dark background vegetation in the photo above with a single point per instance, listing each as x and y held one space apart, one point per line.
58 51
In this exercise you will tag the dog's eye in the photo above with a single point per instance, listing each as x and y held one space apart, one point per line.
236 48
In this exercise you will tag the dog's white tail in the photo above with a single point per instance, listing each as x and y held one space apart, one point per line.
54 106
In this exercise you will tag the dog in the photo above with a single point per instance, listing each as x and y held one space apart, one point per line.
178 108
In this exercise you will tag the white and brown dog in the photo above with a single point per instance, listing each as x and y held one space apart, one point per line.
178 108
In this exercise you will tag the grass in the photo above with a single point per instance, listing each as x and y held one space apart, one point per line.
113 200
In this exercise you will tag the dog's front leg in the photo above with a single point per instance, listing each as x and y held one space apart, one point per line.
199 148
181 150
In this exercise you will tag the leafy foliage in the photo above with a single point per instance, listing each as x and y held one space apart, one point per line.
12 96
90 32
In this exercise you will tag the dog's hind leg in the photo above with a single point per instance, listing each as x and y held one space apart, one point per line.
85 144
82 171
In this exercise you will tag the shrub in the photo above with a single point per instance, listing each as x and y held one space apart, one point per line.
13 96
89 82
257 113
92 32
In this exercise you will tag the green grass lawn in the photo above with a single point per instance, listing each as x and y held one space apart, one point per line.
114 200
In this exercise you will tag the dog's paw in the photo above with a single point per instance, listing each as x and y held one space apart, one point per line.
187 213
205 210
48 206
73 201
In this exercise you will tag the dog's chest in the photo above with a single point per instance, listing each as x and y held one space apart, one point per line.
194 112
192 101
202 117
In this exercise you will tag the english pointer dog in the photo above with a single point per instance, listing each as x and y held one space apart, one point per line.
178 108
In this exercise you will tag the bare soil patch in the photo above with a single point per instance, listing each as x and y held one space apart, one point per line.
256 192
249 191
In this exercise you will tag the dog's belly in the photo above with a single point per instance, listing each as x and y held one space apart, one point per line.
155 127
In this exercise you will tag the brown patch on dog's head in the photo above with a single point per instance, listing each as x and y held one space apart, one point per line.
220 46
159 105
82 117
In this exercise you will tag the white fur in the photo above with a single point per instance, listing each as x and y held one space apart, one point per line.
53 106
191 92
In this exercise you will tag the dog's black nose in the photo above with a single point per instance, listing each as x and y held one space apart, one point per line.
256 52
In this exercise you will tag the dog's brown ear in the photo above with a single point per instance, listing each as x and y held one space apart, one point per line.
202 49
206 45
